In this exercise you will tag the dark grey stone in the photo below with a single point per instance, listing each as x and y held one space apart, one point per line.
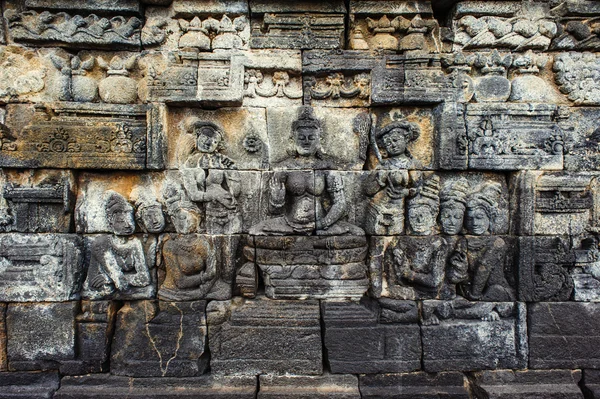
24 385
263 336
160 339
106 386
369 339
509 384
303 387
40 335
462 335
563 335
451 385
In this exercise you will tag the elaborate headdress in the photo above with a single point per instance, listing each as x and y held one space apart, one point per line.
114 200
428 194
411 131
486 196
306 118
455 191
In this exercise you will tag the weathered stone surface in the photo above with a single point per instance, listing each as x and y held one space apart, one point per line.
76 135
38 201
66 25
590 384
371 338
462 335
40 335
262 336
160 339
195 267
304 24
3 359
404 26
451 385
583 150
300 387
105 386
95 324
29 385
514 25
511 384
562 335
37 268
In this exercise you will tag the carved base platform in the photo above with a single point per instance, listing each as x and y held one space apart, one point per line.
312 267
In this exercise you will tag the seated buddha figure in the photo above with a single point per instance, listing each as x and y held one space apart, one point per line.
299 195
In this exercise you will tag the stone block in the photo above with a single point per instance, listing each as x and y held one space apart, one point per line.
25 385
40 335
465 336
191 8
514 17
553 203
304 24
582 126
3 359
406 26
510 384
591 384
40 267
371 338
451 385
242 140
160 339
106 386
194 266
545 269
94 328
525 137
38 201
314 387
262 336
76 26
341 144
76 135
563 335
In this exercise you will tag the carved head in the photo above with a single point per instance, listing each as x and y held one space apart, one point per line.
396 136
453 202
423 208
482 208
119 214
209 137
306 132
149 215
184 214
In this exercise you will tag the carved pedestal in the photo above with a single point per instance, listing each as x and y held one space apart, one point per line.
312 267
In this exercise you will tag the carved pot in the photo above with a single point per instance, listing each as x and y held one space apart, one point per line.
118 90
85 89
62 88
492 88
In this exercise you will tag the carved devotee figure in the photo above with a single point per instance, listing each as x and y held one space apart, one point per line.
187 261
394 139
210 178
299 195
385 214
486 256
149 214
423 208
453 202
422 263
118 261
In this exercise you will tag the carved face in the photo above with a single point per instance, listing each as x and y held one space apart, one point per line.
120 220
185 221
153 219
307 140
395 142
451 217
478 221
207 139
421 219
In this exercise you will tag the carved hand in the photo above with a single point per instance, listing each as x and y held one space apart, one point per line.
277 191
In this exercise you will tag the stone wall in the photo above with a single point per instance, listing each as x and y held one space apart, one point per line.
307 199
